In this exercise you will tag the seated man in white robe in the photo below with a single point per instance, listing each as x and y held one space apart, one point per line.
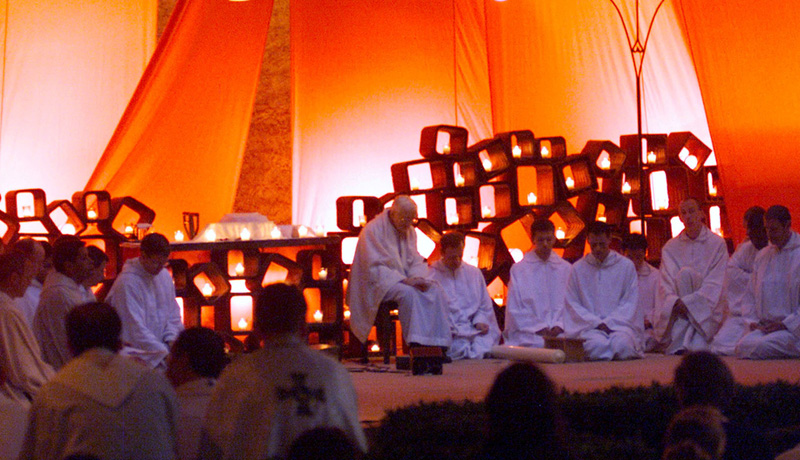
774 318
536 289
196 359
471 309
144 296
101 403
737 281
387 267
62 291
601 300
690 304
266 399
39 253
634 246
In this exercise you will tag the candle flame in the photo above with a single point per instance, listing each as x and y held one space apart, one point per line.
179 235
242 324
207 290
244 235
532 198
516 151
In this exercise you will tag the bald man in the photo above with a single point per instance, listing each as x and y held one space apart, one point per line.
387 267
690 305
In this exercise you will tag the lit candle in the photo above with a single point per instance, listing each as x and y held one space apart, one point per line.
244 235
499 300
242 324
302 231
347 314
239 269
487 164
319 230
532 198
91 214
516 151
275 233
651 157
322 273
570 183
210 235
487 212
545 152
601 218
318 316
626 187
414 183
207 290
691 161
375 348
179 236
560 234
26 211
459 180
605 163
362 220
68 229
452 219
128 229
446 149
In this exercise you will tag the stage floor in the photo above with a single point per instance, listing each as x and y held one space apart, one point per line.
381 388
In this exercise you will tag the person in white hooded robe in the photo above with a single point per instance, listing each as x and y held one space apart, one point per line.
690 305
634 246
471 310
774 318
387 267
601 300
537 285
144 296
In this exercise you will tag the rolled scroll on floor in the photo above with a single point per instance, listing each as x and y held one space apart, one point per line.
535 355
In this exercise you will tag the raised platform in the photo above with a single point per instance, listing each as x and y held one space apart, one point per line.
381 388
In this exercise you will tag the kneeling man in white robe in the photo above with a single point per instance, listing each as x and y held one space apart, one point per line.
471 310
690 304
634 246
774 319
387 267
601 300
535 306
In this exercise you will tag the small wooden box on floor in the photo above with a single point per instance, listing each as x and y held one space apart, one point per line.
572 348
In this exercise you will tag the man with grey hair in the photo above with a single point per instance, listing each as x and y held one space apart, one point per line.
774 315
387 267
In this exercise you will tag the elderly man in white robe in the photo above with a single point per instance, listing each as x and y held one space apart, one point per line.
601 300
266 399
100 403
144 296
737 282
538 283
387 267
634 246
62 291
774 319
690 305
471 310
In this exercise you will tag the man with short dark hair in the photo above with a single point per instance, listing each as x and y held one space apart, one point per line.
101 403
538 282
471 310
266 399
774 317
144 296
62 291
601 300
634 246
690 304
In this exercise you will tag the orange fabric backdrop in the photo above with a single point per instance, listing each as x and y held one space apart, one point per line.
180 142
746 55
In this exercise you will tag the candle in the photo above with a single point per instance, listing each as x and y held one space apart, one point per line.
347 314
560 234
242 324
319 230
318 316
532 198
487 164
601 218
322 273
459 180
68 229
516 151
239 269
446 149
179 236
452 219
651 157
487 212
207 290
210 235
545 152
499 300
605 163
244 235
275 233
128 229
626 187
362 220
570 183
414 183
91 214
302 231
375 348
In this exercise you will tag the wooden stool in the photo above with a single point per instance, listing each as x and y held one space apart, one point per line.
385 330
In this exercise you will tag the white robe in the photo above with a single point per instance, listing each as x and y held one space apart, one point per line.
13 423
693 271
106 405
775 296
383 259
535 300
604 293
737 280
20 356
193 399
28 303
266 399
648 278
468 304
149 312
60 294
